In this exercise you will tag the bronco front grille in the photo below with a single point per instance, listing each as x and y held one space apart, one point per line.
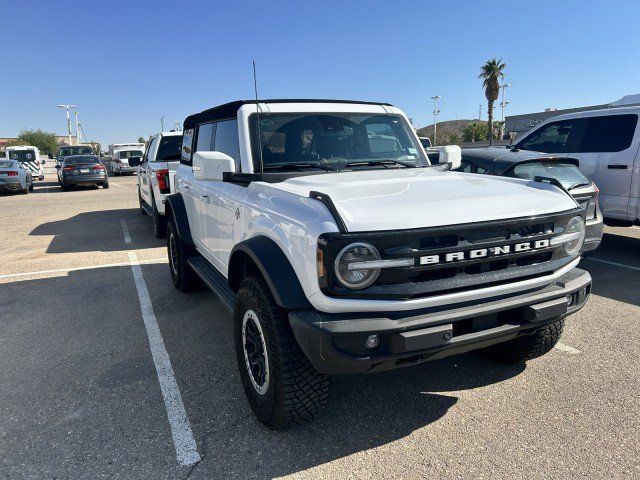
439 265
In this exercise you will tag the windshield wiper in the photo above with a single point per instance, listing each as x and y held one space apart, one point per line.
381 162
583 184
287 166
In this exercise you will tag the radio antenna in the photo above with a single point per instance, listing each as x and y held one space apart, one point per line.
258 111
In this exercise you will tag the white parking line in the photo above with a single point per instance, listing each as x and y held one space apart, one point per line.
125 231
567 349
185 443
117 185
615 264
76 269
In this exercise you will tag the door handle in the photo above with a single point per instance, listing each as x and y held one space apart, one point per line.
617 166
206 199
186 187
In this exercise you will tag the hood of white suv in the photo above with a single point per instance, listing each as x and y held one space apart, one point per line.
413 198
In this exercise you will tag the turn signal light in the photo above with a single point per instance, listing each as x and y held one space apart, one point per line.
98 167
67 169
12 174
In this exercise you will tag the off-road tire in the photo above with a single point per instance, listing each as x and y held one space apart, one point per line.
31 186
527 347
182 275
26 190
105 185
296 392
159 221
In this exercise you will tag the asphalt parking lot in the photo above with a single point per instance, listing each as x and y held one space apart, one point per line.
84 392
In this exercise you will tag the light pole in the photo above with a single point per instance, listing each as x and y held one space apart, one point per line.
503 104
67 107
176 125
480 112
435 117
162 123
77 128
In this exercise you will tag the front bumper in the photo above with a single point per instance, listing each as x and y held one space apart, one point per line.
593 233
84 179
334 343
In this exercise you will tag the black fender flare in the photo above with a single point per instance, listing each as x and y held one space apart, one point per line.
174 206
274 267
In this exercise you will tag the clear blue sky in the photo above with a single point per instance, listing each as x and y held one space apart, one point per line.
126 63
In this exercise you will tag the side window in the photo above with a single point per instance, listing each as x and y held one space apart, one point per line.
205 137
465 166
555 137
187 145
470 167
611 133
226 140
150 146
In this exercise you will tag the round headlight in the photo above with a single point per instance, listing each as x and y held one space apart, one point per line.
356 278
576 228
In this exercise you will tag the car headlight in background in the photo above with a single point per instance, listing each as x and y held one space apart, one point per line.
350 273
573 236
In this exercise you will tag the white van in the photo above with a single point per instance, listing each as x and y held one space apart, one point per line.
606 143
125 158
29 158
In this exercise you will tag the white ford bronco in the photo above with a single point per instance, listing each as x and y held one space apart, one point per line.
339 249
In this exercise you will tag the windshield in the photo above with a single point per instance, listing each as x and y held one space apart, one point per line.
169 148
333 141
129 153
23 155
67 151
566 173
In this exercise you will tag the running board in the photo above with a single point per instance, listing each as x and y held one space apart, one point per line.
214 280
147 208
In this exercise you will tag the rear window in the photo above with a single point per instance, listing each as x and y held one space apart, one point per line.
81 160
169 148
566 173
130 153
6 164
23 155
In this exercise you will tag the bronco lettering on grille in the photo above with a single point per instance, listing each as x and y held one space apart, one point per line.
484 252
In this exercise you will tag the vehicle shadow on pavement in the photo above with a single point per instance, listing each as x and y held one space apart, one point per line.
99 231
614 281
364 412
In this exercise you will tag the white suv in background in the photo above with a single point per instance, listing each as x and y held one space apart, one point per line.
606 143
155 176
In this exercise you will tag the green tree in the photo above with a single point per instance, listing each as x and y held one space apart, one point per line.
46 142
141 140
474 132
491 73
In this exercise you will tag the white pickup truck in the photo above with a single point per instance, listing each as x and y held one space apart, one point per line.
155 177
339 248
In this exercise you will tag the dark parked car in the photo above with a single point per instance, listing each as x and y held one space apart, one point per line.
531 165
82 170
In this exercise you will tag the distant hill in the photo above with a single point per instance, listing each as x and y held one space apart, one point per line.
446 129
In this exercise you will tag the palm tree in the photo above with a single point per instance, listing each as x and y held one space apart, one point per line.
491 73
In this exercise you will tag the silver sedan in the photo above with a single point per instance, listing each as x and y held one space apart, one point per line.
14 178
